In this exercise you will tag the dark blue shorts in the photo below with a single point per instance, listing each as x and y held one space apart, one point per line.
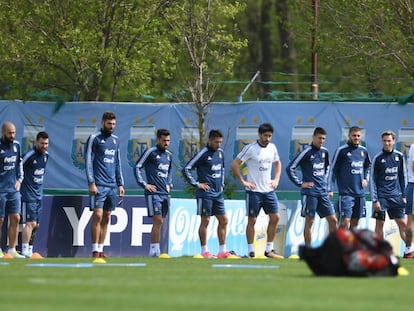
316 204
257 200
210 206
10 203
351 207
395 208
409 192
106 198
31 211
157 204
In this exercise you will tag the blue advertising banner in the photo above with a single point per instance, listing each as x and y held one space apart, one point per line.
65 229
137 122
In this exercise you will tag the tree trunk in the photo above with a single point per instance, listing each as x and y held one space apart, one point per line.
288 52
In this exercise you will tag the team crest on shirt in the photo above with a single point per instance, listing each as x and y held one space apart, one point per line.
45 159
209 158
323 155
114 141
348 154
362 153
14 148
397 158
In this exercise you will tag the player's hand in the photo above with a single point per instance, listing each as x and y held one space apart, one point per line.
121 191
204 186
150 188
307 184
249 185
274 184
93 190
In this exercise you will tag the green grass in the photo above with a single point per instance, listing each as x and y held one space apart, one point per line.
193 284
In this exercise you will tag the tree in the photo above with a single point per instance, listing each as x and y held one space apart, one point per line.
376 37
83 49
208 44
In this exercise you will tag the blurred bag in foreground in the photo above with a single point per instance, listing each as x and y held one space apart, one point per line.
352 253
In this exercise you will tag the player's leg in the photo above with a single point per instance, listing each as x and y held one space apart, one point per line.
13 208
271 207
309 206
252 210
155 211
220 213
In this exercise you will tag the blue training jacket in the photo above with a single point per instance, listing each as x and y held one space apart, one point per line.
388 175
103 160
11 168
350 165
156 163
34 166
314 164
209 165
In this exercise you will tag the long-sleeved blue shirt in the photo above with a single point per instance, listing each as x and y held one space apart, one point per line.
156 163
103 160
387 175
34 165
209 165
314 164
11 168
350 165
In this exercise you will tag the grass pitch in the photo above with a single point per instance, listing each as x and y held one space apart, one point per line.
192 284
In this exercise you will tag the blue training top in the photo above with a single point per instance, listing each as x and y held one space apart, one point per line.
209 164
387 175
350 165
103 160
314 164
11 168
34 165
157 165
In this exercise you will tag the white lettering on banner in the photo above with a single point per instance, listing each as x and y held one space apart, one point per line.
78 225
185 223
138 226
182 228
121 223
137 230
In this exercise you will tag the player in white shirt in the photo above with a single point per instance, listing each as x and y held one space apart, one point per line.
261 158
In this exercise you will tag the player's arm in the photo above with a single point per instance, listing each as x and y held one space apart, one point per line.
277 170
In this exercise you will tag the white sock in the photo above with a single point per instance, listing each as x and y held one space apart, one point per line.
95 247
30 249
222 248
154 249
100 248
204 249
250 248
25 248
408 249
269 246
11 250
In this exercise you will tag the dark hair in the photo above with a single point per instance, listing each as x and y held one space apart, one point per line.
319 131
42 134
265 127
354 129
162 132
388 133
108 115
215 134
